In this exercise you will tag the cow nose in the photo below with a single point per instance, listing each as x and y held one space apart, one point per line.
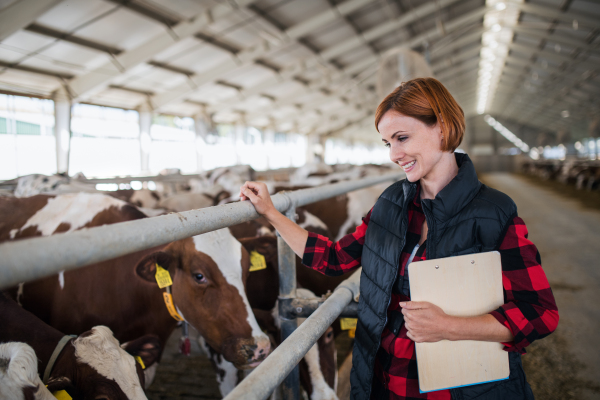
262 349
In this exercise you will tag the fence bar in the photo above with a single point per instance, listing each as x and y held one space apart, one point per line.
271 372
290 387
28 259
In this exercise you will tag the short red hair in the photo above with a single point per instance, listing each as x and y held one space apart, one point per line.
425 99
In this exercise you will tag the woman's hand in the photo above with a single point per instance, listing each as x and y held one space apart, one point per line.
258 194
425 322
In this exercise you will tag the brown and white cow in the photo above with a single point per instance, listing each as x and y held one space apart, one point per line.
318 370
208 272
19 378
90 366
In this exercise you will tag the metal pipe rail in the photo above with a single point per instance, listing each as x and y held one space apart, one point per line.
275 368
30 259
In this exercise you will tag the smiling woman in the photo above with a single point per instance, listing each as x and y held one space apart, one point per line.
440 210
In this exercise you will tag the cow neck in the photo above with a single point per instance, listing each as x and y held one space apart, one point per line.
57 350
29 329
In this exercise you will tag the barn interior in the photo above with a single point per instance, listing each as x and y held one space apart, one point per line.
164 96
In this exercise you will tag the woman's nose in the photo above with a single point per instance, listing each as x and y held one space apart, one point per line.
396 153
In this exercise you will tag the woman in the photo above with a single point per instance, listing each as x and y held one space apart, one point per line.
439 210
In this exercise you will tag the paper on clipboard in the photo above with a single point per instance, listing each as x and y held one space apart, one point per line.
466 285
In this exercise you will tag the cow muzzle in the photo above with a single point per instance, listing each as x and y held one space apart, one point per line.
248 353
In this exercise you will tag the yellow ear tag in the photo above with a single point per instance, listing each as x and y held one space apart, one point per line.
140 361
62 395
348 323
171 307
257 261
163 278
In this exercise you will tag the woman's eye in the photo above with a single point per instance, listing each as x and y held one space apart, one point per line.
386 144
199 278
402 138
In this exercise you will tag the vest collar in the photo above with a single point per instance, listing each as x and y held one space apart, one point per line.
456 194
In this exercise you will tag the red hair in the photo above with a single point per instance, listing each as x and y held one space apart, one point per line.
425 99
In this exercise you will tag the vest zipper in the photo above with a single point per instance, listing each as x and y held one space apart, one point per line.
405 230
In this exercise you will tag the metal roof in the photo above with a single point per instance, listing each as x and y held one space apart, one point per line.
300 65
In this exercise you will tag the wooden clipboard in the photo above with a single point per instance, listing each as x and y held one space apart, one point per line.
467 285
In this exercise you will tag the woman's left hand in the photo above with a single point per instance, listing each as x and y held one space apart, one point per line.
425 322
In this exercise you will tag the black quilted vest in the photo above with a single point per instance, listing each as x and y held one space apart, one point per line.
465 217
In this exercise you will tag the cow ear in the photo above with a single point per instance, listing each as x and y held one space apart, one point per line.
146 268
147 347
63 383
265 245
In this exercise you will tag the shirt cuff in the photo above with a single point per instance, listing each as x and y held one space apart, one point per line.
508 346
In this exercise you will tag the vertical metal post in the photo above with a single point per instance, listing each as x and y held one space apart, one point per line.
290 387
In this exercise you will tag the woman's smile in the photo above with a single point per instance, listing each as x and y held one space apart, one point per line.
408 166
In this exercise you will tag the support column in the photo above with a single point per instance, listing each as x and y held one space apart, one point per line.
145 120
202 126
62 129
290 387
269 143
314 149
240 133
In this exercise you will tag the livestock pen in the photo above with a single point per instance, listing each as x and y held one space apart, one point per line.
29 259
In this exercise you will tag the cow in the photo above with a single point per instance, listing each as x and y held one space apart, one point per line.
144 198
19 378
92 365
208 275
30 185
318 369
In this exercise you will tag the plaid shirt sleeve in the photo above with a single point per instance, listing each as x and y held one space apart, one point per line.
333 259
529 311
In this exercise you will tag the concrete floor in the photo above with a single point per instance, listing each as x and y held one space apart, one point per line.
568 239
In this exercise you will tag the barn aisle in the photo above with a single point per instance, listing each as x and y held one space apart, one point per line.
566 364
181 377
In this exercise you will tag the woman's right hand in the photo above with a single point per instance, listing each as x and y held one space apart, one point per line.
258 194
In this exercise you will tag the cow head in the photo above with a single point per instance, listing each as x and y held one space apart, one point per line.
94 366
209 272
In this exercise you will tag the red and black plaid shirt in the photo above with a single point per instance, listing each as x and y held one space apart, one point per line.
529 311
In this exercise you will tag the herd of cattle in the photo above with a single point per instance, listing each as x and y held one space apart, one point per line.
584 174
118 311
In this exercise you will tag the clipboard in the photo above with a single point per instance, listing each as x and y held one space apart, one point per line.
464 286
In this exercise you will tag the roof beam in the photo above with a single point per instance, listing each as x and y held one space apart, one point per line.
85 85
385 28
22 13
68 37
253 54
589 20
438 51
335 78
457 60
557 38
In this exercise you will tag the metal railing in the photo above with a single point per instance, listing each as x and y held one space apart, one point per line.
29 259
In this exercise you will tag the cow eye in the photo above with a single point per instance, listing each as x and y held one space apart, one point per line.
199 278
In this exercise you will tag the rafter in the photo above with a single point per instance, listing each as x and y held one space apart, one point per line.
85 85
22 13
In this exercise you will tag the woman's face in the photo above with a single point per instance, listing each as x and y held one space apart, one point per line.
413 145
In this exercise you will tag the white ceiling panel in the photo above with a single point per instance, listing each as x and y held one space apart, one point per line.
179 49
71 14
77 55
200 59
184 8
28 83
27 41
124 29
